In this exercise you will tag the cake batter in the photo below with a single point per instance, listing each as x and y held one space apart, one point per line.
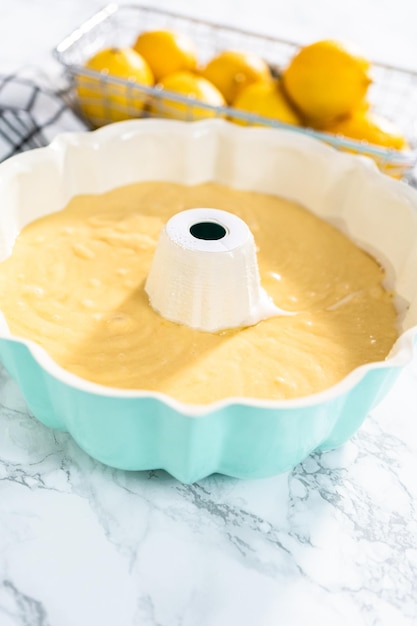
75 284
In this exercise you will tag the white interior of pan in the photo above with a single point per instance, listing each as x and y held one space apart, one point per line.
378 213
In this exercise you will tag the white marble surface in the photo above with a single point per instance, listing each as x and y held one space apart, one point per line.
332 542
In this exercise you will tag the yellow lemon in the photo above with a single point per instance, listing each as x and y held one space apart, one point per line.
102 102
326 80
192 87
267 100
166 52
231 71
364 125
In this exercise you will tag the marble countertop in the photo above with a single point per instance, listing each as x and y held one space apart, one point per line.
332 542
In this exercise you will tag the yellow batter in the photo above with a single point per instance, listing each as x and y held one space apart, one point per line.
75 284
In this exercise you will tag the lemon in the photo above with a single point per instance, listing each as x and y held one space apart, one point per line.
102 102
191 86
166 52
267 100
326 80
231 71
364 125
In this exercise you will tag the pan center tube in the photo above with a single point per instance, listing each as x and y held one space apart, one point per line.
205 275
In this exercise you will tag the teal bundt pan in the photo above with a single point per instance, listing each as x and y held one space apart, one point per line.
246 438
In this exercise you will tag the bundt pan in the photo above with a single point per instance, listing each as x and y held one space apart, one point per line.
241 437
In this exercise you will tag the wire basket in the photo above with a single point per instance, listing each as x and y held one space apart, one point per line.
393 93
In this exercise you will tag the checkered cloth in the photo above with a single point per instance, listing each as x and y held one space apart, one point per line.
31 114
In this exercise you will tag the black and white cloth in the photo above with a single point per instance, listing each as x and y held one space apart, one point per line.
31 114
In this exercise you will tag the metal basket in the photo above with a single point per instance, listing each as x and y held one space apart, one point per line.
393 92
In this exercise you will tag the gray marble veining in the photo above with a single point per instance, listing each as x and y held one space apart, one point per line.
333 542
